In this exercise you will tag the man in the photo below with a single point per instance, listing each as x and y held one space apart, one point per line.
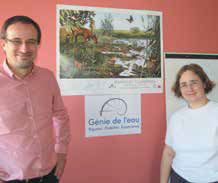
31 110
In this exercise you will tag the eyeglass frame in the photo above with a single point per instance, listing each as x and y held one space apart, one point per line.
18 42
192 84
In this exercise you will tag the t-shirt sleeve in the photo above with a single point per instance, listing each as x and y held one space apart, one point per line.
169 133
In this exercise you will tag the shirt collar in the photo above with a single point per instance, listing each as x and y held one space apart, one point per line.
7 70
10 73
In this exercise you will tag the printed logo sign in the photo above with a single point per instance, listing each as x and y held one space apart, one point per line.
112 115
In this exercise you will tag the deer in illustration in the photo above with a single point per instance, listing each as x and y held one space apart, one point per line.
85 33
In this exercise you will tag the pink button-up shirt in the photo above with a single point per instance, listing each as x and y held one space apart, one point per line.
31 110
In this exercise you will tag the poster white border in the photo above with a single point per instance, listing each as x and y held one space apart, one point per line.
101 86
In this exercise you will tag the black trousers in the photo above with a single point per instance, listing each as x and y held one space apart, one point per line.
175 178
50 178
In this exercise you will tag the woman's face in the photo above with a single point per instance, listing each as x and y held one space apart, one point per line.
192 88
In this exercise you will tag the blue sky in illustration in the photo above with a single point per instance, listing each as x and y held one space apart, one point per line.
119 20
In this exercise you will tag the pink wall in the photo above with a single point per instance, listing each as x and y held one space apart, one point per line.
188 26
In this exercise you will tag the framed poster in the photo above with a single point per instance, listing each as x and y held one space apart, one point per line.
108 51
173 62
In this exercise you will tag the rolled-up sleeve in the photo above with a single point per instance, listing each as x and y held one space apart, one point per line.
60 120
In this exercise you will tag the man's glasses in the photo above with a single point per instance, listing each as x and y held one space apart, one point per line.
192 84
19 42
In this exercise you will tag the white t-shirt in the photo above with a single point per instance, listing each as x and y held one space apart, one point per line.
193 134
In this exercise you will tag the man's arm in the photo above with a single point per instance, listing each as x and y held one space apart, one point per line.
166 162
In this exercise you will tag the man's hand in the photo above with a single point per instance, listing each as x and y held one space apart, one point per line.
61 162
3 174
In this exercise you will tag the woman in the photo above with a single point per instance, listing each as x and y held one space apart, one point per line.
191 145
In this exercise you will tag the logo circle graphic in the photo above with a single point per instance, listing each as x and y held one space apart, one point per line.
114 105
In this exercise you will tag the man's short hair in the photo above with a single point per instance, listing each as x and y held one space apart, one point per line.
21 19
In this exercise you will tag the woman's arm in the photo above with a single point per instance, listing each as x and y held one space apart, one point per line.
166 162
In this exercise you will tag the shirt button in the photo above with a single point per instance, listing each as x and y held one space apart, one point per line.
35 136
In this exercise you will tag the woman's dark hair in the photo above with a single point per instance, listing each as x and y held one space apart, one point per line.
197 69
22 19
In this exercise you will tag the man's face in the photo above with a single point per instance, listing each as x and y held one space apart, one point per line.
20 45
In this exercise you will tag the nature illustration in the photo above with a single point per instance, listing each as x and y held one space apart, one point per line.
95 44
